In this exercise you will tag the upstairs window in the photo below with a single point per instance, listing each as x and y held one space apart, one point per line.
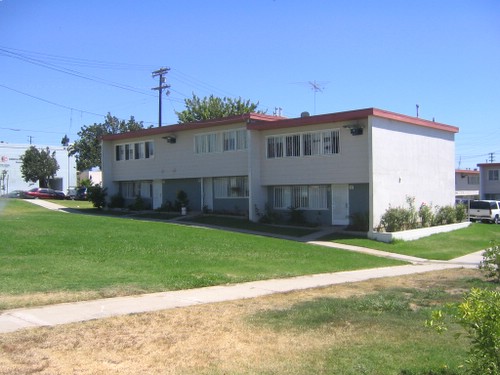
305 144
231 140
493 175
134 151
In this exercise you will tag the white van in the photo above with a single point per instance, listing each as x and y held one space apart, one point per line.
485 210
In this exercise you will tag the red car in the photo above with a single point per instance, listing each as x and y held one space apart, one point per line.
42 193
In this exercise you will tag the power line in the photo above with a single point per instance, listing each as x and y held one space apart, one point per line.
71 72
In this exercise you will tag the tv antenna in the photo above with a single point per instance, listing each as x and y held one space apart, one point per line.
316 87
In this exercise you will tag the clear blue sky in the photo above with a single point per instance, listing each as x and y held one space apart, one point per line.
65 64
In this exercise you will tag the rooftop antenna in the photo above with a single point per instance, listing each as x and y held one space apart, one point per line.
416 105
316 87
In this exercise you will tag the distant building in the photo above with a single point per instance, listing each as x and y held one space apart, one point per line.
10 168
466 184
94 175
489 181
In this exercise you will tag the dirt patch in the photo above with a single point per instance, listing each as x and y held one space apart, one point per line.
207 339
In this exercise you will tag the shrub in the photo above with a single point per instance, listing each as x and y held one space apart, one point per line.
117 201
392 220
166 206
269 216
491 262
97 195
461 212
181 200
139 204
360 222
426 215
445 215
297 216
479 316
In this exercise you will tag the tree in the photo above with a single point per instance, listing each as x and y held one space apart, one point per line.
213 108
65 140
88 148
39 165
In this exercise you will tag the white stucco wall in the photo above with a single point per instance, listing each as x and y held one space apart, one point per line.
410 161
347 167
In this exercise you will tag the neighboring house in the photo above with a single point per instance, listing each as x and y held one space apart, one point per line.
333 167
490 181
94 175
10 168
466 184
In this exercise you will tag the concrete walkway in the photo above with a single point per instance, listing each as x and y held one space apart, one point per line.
13 320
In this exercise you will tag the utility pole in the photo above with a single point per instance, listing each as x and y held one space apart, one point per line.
492 157
162 85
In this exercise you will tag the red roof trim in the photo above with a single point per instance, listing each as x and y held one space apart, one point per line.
245 118
469 171
257 121
349 116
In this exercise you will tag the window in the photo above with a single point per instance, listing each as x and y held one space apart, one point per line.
275 147
473 180
293 145
149 149
311 143
331 142
120 152
129 152
134 189
139 150
231 140
306 144
134 151
493 175
312 197
231 187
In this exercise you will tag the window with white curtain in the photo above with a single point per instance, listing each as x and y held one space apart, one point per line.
307 197
231 187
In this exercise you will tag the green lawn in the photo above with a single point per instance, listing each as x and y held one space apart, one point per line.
47 251
442 246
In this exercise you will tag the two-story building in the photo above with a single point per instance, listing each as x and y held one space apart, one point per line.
331 166
466 184
490 181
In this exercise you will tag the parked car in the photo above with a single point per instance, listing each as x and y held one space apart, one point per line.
485 210
41 193
60 194
15 194
71 193
81 194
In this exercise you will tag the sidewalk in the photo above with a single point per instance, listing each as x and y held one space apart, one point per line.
13 320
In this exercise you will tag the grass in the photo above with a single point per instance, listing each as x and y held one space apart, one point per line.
386 326
244 224
372 327
43 251
442 246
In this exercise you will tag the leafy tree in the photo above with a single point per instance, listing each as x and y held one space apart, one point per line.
213 108
65 140
88 148
39 165
479 316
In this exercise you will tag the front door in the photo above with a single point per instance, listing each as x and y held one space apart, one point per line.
340 204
